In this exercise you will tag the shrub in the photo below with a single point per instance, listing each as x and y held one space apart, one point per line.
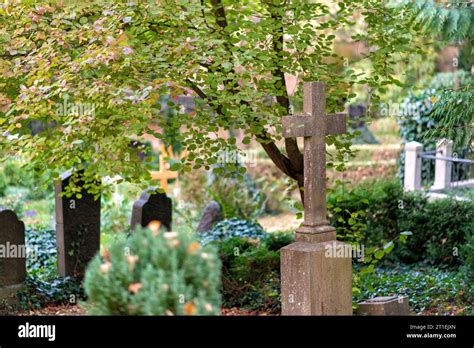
12 174
251 271
154 273
238 197
467 252
233 227
438 226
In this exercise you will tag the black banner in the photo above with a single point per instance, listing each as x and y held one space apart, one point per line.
81 330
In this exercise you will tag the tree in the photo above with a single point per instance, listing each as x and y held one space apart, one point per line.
121 57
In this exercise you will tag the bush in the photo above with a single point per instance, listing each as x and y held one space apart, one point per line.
251 271
12 174
154 273
438 226
233 227
238 197
467 253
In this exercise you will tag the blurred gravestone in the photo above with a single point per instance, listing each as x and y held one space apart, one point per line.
357 114
12 255
77 228
212 214
152 206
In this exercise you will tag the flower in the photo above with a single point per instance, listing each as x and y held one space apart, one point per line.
174 243
127 19
193 247
105 267
208 307
170 235
106 255
154 226
135 287
190 308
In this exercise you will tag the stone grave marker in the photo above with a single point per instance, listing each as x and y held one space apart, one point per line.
212 214
77 228
385 305
314 283
152 206
12 255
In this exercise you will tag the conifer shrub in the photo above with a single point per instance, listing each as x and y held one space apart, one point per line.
154 273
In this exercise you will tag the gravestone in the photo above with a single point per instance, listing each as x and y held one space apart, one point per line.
12 255
152 206
77 228
313 280
212 214
385 305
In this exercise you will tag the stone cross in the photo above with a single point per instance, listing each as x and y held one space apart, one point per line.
314 125
315 280
77 228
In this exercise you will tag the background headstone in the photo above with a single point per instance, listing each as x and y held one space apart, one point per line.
212 214
152 206
12 255
77 229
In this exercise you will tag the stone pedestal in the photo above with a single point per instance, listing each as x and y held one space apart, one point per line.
316 280
385 305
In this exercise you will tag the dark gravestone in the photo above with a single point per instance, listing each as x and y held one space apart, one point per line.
12 255
77 229
212 214
152 206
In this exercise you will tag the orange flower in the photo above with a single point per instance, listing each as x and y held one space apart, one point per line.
155 226
135 287
105 267
106 255
193 247
190 308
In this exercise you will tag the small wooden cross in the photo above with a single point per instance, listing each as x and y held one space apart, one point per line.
314 125
164 174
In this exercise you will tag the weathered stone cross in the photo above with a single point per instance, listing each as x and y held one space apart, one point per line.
314 125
